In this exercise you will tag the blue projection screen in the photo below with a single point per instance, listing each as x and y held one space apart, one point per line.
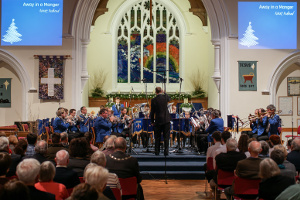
267 25
31 22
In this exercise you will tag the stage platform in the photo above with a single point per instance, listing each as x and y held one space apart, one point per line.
187 165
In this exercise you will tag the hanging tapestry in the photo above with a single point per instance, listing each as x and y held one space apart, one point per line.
5 92
247 76
51 77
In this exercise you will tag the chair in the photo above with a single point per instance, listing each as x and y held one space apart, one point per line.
129 188
225 179
81 179
70 190
246 188
22 134
94 136
117 193
209 167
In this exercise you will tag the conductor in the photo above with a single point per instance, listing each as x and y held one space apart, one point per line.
160 119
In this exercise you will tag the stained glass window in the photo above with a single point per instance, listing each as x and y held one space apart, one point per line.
148 51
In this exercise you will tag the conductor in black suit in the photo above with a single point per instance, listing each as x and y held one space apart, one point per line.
160 119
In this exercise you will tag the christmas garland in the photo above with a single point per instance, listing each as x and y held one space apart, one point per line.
143 96
186 105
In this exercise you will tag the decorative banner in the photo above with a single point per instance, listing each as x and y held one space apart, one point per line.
5 92
247 76
51 79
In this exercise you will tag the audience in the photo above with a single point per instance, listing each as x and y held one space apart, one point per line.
97 176
89 139
21 148
272 183
289 145
40 151
64 139
278 156
243 144
264 149
15 190
274 140
15 159
224 136
99 158
28 172
46 184
13 141
286 163
247 168
294 155
84 191
5 161
79 152
55 146
64 175
109 145
31 139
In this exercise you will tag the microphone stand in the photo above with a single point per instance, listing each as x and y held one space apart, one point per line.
147 120
179 150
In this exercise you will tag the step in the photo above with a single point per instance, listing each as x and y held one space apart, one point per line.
178 175
171 166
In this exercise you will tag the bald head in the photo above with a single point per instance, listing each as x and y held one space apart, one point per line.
120 144
62 158
254 148
296 144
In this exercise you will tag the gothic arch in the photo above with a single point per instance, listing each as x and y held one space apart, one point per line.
24 78
293 58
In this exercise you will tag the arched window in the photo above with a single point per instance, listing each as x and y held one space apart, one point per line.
147 51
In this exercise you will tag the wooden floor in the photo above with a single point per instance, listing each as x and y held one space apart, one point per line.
175 189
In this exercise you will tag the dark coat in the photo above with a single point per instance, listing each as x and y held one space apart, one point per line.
15 160
248 168
37 194
53 149
78 165
159 109
228 161
66 176
123 165
294 157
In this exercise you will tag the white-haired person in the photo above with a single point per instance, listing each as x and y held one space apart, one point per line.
272 183
28 172
97 176
46 184
99 158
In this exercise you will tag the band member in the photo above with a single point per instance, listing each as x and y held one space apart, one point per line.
216 124
272 121
59 124
145 134
260 128
117 107
125 122
253 122
102 125
185 129
84 120
73 126
160 119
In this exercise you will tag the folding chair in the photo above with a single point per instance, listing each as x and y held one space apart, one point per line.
245 188
225 179
129 188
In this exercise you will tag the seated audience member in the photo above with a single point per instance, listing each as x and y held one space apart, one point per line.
40 151
97 176
46 184
13 141
286 163
99 158
247 168
64 139
5 161
216 136
109 145
243 144
264 149
2 134
31 140
28 172
289 145
64 175
84 191
294 155
15 159
225 135
228 161
21 148
274 140
15 190
124 165
104 140
79 155
272 183
290 193
278 156
89 139
55 146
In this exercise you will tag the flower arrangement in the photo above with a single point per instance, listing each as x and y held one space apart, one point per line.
97 81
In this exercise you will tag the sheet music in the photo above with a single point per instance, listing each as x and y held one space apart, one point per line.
285 105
